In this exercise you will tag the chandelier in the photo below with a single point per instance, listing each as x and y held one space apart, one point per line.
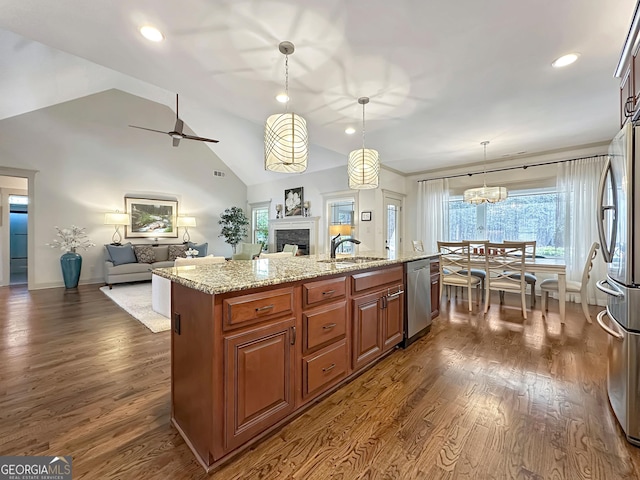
485 194
364 163
286 144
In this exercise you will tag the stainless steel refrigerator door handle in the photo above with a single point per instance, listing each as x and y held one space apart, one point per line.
605 327
607 250
614 293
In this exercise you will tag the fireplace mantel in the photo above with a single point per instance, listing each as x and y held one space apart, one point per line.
295 223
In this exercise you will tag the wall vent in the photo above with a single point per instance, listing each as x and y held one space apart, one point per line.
218 173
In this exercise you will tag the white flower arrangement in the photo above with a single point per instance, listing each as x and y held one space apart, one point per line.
192 252
70 239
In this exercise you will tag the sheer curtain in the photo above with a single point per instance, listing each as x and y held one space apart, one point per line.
578 187
433 213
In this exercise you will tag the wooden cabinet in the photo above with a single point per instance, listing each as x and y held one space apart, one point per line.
244 362
392 318
377 314
367 329
324 349
259 383
435 289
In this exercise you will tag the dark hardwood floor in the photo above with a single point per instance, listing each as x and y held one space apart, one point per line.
479 397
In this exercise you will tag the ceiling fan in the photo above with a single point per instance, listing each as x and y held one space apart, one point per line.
176 133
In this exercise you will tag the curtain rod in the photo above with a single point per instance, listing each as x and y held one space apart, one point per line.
524 167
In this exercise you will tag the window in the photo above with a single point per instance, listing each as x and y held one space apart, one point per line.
525 215
341 212
260 224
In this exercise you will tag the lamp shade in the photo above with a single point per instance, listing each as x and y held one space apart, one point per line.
363 168
343 229
185 221
116 218
485 194
286 143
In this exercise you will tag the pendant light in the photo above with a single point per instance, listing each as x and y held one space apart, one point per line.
286 144
485 194
364 163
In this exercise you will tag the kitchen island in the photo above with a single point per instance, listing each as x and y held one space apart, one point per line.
254 343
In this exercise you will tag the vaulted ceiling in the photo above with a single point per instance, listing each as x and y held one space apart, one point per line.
442 75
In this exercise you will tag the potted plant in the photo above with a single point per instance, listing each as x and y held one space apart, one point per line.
235 226
69 240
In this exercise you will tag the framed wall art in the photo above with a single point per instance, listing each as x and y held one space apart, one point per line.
293 200
365 216
151 218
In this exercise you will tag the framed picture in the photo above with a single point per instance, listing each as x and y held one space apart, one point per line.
151 218
365 216
293 200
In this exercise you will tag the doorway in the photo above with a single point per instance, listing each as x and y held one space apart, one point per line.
18 221
393 224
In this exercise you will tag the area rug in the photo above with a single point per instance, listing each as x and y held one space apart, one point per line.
136 300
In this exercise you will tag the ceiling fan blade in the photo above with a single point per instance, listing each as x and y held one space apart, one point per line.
176 141
150 129
179 126
200 139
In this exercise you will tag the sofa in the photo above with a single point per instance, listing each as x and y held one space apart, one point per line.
134 263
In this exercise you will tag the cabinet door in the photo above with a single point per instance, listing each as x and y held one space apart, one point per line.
259 387
367 329
393 316
435 295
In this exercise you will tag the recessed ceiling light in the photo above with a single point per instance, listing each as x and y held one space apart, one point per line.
282 97
349 130
151 33
565 60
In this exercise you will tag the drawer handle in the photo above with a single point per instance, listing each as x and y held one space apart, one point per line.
395 295
329 368
264 309
329 326
329 292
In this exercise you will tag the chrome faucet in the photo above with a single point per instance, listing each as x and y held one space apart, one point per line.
335 245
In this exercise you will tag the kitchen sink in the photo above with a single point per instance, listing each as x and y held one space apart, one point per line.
351 260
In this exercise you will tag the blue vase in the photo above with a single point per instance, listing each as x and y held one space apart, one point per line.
71 263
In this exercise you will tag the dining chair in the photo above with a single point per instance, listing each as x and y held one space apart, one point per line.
248 251
501 263
210 260
293 249
418 246
529 277
455 268
551 285
477 248
282 254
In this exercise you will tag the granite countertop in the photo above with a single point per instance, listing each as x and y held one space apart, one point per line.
245 274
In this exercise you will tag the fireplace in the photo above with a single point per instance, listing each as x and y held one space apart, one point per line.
300 231
298 236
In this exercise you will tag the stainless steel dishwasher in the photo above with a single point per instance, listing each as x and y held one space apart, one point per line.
418 317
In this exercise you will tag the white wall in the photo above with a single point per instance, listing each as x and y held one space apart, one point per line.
317 184
88 159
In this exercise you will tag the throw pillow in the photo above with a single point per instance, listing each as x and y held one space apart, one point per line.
202 248
121 254
144 253
176 251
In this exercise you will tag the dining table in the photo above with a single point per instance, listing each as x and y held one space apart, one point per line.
555 266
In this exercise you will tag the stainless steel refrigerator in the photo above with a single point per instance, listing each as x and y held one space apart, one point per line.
618 204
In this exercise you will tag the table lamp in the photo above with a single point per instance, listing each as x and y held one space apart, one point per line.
186 222
116 218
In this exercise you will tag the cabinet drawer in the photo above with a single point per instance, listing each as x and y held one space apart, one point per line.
322 369
315 293
257 307
435 267
376 278
325 325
